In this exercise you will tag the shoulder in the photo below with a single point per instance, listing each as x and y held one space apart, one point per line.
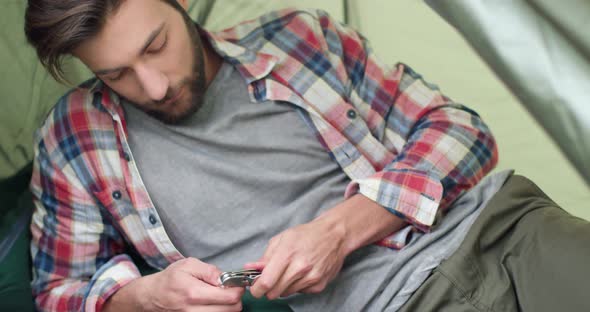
278 25
75 115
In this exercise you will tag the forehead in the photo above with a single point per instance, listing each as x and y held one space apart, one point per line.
124 33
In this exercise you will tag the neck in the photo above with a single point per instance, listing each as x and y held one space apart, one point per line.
212 60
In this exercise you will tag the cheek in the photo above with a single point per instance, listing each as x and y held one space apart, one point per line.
184 62
130 90
183 57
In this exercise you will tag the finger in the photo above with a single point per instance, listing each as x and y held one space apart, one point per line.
296 273
283 284
218 308
321 283
202 271
315 288
255 265
298 286
211 295
311 283
269 277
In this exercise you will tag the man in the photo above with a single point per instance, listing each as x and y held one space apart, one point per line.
203 151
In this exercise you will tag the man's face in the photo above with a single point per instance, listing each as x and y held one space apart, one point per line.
149 54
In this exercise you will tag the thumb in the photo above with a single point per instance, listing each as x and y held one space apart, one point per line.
205 272
213 278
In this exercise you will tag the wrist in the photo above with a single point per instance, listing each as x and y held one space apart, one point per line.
336 231
361 221
129 297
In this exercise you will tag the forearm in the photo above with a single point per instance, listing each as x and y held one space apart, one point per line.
126 298
74 295
361 221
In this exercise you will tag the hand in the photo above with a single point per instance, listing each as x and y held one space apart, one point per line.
186 285
304 259
307 257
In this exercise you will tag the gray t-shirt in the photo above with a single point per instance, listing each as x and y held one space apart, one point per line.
238 173
235 174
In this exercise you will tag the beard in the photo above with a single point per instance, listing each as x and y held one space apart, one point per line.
195 85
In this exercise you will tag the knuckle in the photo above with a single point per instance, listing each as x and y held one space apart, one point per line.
272 295
214 276
180 264
314 278
192 295
174 276
192 261
263 285
314 290
304 265
319 287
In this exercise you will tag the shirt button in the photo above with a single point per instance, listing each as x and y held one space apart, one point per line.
117 195
153 219
351 114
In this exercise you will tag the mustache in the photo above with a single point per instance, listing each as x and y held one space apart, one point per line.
172 92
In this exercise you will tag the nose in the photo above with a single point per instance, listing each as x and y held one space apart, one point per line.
153 81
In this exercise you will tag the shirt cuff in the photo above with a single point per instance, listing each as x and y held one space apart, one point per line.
112 276
397 240
412 195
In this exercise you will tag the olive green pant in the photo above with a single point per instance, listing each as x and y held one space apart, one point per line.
523 253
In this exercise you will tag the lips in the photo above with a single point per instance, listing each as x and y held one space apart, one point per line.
174 98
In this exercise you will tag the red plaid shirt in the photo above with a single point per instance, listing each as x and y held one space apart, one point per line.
402 143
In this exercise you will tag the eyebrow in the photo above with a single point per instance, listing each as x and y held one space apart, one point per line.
147 44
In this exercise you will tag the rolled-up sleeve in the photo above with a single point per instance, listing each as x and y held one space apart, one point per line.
78 259
444 149
441 148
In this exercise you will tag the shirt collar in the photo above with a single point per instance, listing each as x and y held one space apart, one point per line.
253 65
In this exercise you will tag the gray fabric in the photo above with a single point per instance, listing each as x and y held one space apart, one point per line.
224 184
378 279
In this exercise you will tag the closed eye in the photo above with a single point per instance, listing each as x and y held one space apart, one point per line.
117 77
160 48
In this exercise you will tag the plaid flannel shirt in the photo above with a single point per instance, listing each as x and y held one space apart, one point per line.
402 143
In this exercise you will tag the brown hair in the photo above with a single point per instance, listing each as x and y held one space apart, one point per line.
56 27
